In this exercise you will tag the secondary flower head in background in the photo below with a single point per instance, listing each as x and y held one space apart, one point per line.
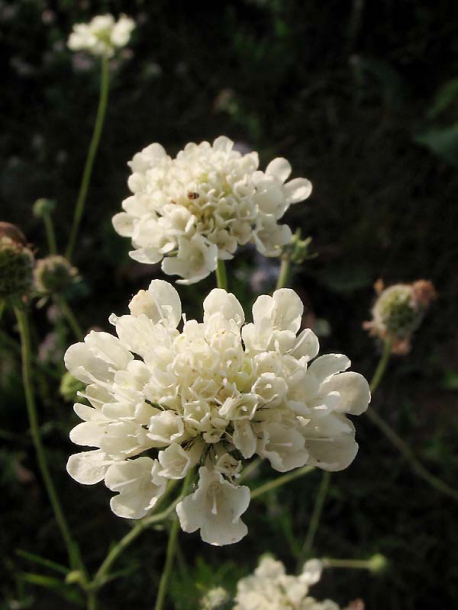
102 36
54 274
190 211
212 395
399 311
270 588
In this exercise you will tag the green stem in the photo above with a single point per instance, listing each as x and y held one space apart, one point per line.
286 478
74 557
79 208
415 464
285 269
91 600
316 517
381 367
248 471
171 547
69 316
396 440
221 276
102 573
359 564
50 234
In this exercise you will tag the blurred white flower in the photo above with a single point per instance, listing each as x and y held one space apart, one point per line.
190 211
102 36
270 588
214 394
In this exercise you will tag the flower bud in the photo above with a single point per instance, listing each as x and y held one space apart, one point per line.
43 207
399 311
70 386
16 263
378 563
54 274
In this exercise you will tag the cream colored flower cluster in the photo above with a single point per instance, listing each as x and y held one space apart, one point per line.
102 36
190 211
270 588
211 396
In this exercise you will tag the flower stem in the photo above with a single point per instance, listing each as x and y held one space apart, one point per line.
91 600
171 547
73 554
396 440
407 453
50 234
358 564
285 269
104 87
69 316
381 367
221 276
315 518
286 478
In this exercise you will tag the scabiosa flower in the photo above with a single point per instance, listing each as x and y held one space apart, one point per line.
102 36
399 311
213 395
270 588
190 211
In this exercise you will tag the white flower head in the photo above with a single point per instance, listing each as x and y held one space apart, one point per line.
165 399
102 36
191 211
270 588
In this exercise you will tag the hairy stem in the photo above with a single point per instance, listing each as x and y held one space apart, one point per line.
101 111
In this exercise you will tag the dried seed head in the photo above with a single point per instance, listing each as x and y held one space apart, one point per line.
399 311
16 263
54 274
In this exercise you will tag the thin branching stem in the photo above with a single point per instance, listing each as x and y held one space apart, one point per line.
69 316
171 548
80 202
50 234
74 557
396 440
315 518
286 478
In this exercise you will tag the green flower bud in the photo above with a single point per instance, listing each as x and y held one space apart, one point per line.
378 563
70 386
54 274
16 268
44 207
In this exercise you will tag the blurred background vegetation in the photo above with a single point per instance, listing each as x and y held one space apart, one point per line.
362 98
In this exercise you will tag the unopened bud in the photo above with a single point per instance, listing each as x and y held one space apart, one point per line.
44 207
70 386
298 250
378 563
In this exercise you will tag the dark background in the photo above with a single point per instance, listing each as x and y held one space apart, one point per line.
362 98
